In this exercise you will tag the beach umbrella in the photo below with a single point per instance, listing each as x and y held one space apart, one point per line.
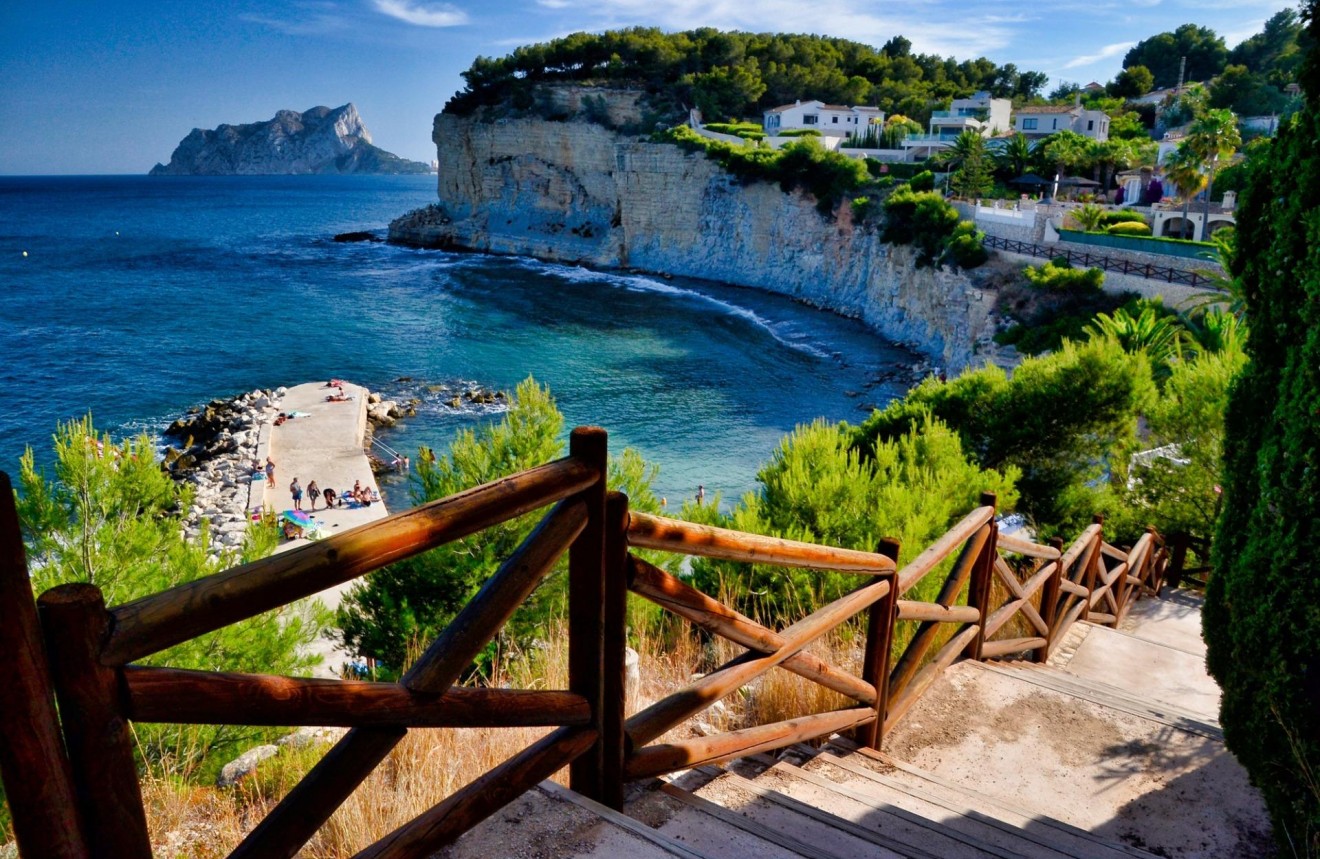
301 518
1077 181
1029 179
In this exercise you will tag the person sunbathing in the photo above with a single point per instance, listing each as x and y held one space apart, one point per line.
329 495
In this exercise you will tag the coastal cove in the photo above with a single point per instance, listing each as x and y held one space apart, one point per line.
141 297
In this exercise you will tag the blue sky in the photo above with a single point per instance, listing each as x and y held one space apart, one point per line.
112 87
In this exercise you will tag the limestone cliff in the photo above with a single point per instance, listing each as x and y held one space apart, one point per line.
320 140
578 192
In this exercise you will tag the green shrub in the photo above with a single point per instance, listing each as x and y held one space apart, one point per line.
919 218
1122 216
1128 228
1053 278
965 246
798 132
923 181
733 127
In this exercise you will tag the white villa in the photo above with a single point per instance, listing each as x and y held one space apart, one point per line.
1046 119
985 115
833 120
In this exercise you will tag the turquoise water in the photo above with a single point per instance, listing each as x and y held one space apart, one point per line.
140 297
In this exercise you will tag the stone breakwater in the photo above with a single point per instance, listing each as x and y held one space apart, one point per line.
576 192
214 447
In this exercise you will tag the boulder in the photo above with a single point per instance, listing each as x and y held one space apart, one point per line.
244 765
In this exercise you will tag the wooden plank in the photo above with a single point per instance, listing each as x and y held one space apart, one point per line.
1082 544
95 726
995 649
1101 617
1018 546
1071 588
613 735
586 607
706 613
153 623
673 709
622 821
1022 593
1113 552
1001 616
833 821
714 617
669 757
33 763
478 622
752 827
936 613
918 567
671 535
1049 603
181 696
443 823
311 802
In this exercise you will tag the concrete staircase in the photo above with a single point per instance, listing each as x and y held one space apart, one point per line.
1111 750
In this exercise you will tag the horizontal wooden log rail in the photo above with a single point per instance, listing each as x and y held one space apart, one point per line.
153 623
942 548
1018 546
936 613
180 696
671 757
689 538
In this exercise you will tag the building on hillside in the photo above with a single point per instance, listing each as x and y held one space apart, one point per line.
834 120
981 113
1094 88
1045 119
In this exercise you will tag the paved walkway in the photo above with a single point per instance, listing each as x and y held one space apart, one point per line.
325 446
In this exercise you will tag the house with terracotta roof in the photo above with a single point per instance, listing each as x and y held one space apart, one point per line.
1042 120
833 120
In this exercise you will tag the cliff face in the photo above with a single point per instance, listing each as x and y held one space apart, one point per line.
320 140
578 192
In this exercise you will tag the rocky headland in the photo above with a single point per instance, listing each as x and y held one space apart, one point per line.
320 140
575 190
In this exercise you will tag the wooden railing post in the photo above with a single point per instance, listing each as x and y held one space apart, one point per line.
978 590
95 725
586 608
1093 566
880 622
33 764
612 733
1049 602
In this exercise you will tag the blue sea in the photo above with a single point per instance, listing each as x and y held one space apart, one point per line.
139 297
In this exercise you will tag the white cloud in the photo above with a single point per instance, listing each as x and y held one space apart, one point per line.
1103 54
422 14
316 24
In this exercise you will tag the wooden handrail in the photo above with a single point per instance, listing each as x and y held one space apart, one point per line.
1018 546
180 696
714 617
936 613
671 535
153 623
922 564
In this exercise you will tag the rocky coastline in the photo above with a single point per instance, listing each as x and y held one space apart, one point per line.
579 193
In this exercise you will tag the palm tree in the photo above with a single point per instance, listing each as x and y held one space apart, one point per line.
1070 151
1159 335
1088 216
1183 168
1214 138
965 145
1017 154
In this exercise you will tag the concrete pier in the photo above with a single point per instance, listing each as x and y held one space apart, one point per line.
326 446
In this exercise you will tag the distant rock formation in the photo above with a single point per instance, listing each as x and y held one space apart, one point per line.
320 140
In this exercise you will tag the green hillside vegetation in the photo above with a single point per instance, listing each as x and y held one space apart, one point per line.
734 74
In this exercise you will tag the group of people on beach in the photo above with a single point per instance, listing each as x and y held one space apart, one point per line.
359 495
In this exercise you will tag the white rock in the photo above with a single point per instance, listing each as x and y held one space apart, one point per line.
244 765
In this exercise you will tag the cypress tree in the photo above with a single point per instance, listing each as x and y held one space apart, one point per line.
1262 613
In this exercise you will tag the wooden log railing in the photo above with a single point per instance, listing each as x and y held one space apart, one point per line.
999 595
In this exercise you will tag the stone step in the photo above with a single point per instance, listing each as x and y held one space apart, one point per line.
1114 697
1018 830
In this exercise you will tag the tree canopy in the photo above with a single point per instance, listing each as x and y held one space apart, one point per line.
1162 54
731 74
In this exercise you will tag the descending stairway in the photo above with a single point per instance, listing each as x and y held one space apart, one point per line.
1113 750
